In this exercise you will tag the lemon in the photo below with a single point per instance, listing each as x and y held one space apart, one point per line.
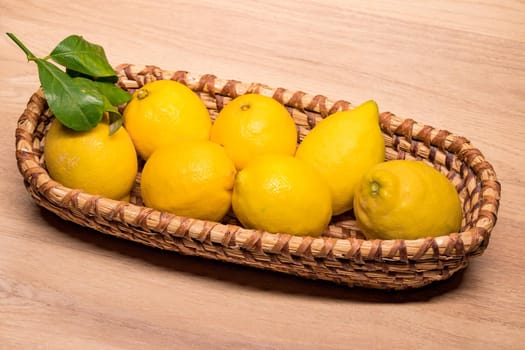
280 193
252 125
406 199
342 147
91 160
189 178
164 111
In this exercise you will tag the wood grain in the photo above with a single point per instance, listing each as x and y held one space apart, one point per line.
457 65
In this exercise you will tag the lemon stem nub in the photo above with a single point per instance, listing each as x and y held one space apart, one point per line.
245 107
374 188
142 94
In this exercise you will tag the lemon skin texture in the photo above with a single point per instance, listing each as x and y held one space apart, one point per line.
279 193
343 147
406 199
92 161
190 178
162 112
252 125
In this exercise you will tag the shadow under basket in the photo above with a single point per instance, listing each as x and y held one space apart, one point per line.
342 255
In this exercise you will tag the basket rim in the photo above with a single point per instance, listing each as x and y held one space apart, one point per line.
459 244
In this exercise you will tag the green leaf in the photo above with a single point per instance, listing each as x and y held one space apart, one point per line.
115 119
76 53
106 85
115 122
74 101
115 95
74 74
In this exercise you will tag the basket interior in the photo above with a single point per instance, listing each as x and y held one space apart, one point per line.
398 146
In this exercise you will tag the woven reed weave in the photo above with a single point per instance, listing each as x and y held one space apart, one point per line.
341 255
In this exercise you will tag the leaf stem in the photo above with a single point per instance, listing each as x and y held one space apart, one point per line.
29 54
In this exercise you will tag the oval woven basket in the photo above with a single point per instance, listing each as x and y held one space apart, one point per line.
342 255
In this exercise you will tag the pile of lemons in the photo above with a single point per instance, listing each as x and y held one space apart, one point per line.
248 161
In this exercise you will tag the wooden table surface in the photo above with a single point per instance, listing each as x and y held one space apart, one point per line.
456 65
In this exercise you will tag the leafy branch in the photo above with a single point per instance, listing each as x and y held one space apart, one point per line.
80 95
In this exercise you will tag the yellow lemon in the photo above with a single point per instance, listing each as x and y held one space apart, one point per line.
280 193
342 147
190 178
406 199
252 125
164 111
91 160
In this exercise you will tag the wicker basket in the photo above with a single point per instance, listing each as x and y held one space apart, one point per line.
341 255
